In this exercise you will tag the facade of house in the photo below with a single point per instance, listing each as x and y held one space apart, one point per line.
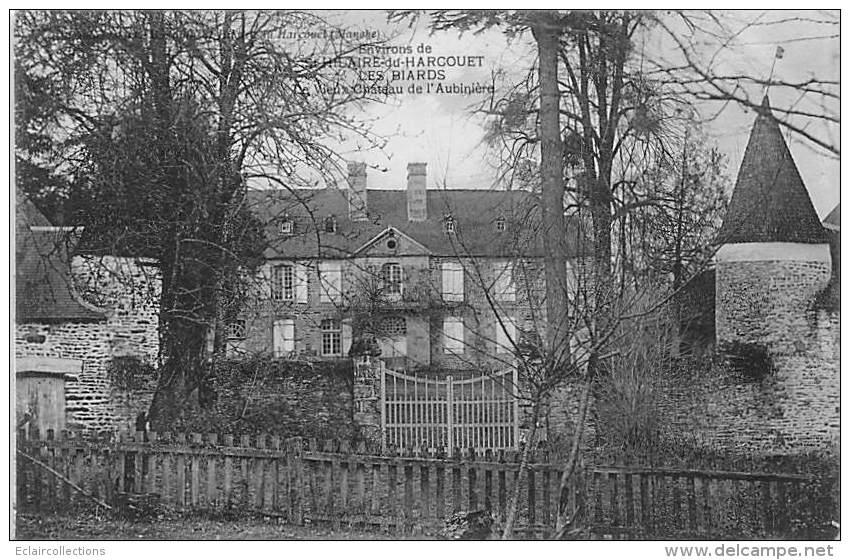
64 342
438 280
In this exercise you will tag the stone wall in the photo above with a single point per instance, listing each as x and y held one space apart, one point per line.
772 303
281 397
792 409
128 291
767 301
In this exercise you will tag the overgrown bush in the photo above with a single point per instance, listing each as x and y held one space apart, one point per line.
626 398
130 372
752 361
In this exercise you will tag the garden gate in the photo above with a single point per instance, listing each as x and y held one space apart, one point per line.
476 412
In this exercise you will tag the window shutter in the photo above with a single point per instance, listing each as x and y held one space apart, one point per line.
572 281
301 284
452 335
505 335
452 281
346 337
330 274
283 337
504 284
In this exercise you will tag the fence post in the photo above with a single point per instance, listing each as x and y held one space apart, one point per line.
296 458
383 405
516 408
450 416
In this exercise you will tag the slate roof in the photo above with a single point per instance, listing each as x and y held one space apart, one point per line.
475 213
43 285
770 202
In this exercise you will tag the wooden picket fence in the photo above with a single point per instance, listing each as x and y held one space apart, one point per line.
414 490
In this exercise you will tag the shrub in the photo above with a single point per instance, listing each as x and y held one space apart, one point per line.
752 361
130 372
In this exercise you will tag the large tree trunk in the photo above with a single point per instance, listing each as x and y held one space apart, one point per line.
546 31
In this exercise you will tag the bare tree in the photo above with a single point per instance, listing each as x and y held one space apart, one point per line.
221 100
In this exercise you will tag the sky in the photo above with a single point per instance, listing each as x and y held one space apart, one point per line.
442 130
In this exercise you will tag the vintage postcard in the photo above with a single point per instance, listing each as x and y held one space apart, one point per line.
426 275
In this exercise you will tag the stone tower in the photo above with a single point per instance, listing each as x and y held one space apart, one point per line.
773 255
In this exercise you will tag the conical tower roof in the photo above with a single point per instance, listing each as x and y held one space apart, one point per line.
770 203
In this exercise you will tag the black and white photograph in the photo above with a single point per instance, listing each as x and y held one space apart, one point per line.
292 274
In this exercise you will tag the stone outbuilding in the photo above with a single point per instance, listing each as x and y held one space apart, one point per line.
64 344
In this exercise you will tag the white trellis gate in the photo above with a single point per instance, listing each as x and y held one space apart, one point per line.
478 412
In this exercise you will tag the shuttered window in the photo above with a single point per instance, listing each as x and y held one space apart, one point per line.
504 281
452 281
506 335
283 337
453 335
330 274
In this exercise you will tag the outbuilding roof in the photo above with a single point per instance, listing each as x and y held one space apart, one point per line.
44 288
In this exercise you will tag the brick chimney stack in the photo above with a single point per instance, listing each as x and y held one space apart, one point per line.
357 195
417 198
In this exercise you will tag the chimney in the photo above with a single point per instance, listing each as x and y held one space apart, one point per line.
417 198
357 207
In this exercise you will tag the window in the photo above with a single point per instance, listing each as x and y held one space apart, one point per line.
330 274
449 224
452 281
286 226
331 337
500 223
283 337
392 278
393 339
393 326
504 283
283 282
330 224
237 329
506 335
452 335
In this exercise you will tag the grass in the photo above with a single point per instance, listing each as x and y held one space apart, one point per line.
90 526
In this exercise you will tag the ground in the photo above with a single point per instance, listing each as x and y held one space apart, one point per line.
93 527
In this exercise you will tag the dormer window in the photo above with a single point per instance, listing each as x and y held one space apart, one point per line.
449 224
500 223
286 226
330 224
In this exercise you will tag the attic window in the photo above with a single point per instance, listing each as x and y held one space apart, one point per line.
330 224
286 226
500 223
449 223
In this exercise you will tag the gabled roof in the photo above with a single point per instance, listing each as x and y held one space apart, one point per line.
390 231
43 286
833 219
770 202
474 211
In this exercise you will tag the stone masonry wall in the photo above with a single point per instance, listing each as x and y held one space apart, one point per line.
767 301
285 398
127 290
796 406
793 409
